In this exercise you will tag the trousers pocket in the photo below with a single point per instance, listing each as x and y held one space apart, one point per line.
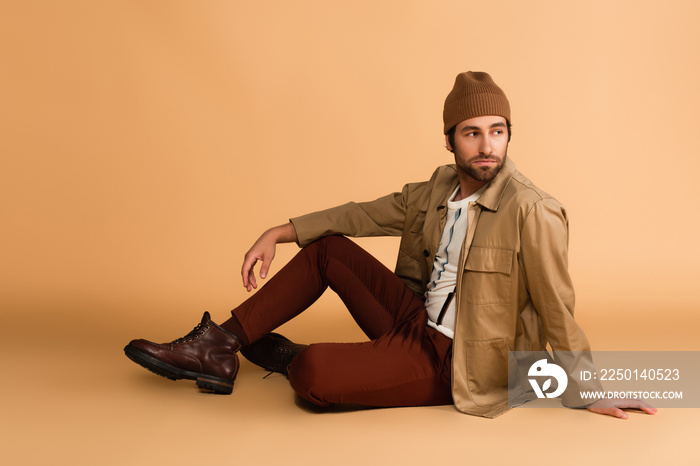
487 371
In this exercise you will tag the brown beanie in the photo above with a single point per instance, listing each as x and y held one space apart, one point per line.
474 94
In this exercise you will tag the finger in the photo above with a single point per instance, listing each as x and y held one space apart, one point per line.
265 267
638 404
251 278
648 409
244 276
610 411
246 269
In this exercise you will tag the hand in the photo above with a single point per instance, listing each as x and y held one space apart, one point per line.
615 406
264 250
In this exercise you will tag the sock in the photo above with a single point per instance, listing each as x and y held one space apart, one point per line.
234 326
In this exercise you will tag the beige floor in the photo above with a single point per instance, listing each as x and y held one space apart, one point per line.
71 397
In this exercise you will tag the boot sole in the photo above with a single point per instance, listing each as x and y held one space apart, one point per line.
158 367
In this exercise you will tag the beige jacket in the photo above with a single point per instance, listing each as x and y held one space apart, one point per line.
514 291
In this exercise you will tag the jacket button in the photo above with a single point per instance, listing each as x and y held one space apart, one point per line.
425 253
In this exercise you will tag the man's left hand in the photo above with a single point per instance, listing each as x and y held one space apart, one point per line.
615 406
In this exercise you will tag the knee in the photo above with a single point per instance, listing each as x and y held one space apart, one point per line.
330 243
334 247
328 247
309 375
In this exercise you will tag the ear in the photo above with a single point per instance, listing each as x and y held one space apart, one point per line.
447 144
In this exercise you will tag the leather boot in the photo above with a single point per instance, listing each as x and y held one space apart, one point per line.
207 354
272 352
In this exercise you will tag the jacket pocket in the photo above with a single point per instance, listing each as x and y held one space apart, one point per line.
487 371
412 238
488 275
417 223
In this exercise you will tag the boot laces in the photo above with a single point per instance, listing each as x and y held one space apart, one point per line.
194 334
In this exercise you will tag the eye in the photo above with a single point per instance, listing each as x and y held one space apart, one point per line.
471 134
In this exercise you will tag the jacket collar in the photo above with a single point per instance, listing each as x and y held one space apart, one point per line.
491 198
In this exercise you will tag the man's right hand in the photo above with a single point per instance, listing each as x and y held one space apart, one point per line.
264 250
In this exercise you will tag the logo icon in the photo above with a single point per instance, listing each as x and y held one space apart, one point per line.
542 368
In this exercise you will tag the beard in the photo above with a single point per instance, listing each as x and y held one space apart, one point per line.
480 173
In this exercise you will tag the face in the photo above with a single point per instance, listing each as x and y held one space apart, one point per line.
480 147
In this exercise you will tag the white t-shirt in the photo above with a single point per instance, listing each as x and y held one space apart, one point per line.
441 312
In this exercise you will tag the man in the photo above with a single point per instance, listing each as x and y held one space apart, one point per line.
482 269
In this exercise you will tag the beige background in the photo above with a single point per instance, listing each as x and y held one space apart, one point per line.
146 145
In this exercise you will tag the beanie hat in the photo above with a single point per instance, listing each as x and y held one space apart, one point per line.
474 94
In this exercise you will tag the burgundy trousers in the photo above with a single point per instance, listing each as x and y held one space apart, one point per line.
405 363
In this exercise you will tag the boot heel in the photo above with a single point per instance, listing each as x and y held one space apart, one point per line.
216 386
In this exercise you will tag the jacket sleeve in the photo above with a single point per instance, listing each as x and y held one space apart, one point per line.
544 242
382 217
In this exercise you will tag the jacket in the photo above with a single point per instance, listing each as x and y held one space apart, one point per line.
514 291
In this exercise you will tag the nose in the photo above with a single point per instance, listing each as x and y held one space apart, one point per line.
485 147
